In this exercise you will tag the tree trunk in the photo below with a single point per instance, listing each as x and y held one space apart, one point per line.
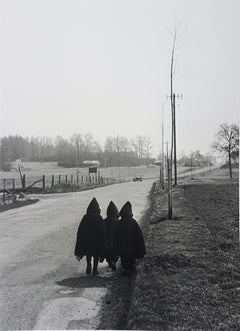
230 163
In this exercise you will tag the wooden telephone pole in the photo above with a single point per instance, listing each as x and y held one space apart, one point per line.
169 176
173 156
178 96
163 170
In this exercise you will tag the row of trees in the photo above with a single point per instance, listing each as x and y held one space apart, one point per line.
72 151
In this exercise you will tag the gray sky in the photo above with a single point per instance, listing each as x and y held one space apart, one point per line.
103 66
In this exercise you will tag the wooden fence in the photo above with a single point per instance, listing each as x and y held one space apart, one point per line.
48 181
8 193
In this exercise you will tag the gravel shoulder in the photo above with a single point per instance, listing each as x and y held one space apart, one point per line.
190 278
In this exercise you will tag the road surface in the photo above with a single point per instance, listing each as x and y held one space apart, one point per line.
43 286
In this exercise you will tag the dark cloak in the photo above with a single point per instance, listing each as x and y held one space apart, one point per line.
111 223
129 237
91 235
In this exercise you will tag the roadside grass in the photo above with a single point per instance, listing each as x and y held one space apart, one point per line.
190 279
17 204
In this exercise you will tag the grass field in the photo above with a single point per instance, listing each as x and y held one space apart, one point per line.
35 171
190 279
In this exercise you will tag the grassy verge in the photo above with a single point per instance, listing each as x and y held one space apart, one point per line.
17 204
190 279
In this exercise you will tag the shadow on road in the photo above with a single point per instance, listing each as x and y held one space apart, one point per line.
84 282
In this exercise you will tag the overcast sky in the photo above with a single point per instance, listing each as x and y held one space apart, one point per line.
103 66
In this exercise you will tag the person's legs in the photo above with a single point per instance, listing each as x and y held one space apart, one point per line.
113 266
115 258
108 261
131 265
111 262
124 262
95 265
89 266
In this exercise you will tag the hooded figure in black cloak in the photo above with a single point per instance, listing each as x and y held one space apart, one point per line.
129 239
91 241
111 223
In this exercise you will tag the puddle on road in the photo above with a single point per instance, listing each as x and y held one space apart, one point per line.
72 312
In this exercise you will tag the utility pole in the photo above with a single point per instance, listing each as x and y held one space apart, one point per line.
174 140
174 134
167 148
162 147
178 96
169 172
191 167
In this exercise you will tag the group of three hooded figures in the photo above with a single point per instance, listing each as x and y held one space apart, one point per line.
109 238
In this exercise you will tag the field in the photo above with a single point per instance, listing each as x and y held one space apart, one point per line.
35 170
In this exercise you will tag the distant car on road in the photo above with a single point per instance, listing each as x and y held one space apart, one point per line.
138 177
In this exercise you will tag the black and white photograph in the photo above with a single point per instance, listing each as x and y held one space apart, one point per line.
119 165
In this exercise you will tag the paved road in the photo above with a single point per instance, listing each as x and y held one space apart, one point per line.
42 285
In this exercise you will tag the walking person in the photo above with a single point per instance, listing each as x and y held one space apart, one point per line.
129 239
111 223
91 239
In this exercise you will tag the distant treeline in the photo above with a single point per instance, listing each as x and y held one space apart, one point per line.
196 159
72 151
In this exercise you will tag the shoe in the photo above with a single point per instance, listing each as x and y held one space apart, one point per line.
88 271
95 272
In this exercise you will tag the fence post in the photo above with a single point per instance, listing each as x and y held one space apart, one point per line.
4 188
59 179
14 196
77 178
24 181
71 179
52 180
44 182
66 179
169 189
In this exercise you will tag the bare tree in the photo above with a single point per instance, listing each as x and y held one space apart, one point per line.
139 145
78 143
88 144
228 142
177 41
174 38
149 145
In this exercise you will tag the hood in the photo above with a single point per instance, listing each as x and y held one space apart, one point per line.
112 210
126 210
93 207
